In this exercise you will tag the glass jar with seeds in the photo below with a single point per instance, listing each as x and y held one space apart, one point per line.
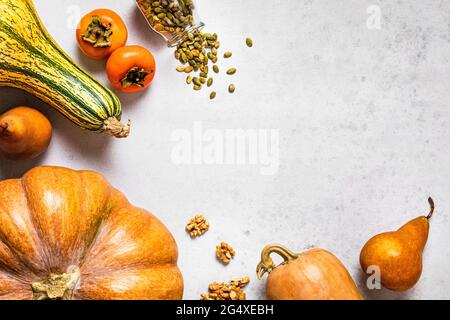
197 51
172 19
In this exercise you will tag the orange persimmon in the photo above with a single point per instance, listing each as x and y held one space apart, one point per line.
131 69
100 33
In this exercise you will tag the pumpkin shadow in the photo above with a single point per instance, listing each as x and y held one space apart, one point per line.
81 143
13 169
71 141
11 98
380 294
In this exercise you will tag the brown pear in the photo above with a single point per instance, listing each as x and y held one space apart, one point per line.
398 254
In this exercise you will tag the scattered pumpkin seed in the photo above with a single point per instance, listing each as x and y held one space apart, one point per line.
249 42
197 49
231 71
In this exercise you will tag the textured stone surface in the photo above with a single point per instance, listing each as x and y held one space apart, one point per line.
364 123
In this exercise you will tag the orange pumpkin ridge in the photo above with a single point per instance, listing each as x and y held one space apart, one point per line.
68 234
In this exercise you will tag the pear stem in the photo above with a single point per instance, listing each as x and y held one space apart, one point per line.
431 202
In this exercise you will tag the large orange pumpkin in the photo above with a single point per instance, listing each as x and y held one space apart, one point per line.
68 234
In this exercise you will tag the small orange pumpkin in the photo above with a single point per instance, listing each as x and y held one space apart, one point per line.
313 275
68 234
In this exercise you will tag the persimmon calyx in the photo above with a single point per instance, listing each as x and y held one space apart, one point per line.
98 33
57 286
135 76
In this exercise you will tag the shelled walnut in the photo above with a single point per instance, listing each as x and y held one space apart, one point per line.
197 226
225 252
231 291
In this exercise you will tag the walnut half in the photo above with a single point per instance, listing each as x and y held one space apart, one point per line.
197 226
225 252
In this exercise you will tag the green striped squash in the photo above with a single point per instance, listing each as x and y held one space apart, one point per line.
31 60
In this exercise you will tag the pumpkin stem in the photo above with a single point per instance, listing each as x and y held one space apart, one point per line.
431 202
117 129
57 286
267 264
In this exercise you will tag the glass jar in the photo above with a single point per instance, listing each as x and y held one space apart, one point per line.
172 19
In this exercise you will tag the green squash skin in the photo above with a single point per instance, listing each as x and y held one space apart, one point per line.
32 61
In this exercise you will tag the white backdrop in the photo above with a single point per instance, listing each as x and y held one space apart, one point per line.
362 114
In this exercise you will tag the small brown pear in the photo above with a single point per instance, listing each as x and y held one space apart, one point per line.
398 254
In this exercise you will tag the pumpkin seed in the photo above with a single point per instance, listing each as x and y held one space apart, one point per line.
249 42
196 50
197 81
170 16
161 15
231 71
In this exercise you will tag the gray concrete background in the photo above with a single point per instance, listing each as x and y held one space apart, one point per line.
364 123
